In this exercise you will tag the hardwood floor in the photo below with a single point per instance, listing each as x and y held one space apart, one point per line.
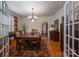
53 48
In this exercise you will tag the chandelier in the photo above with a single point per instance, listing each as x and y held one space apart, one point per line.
33 18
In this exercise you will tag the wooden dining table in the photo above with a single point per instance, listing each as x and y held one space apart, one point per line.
30 37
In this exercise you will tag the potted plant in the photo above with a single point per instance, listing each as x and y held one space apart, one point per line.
11 34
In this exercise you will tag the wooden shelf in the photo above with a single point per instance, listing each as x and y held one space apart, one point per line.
15 23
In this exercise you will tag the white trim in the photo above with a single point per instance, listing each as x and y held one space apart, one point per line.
3 47
65 28
68 27
73 37
71 50
72 23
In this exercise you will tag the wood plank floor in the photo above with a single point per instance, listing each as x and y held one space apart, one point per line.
54 49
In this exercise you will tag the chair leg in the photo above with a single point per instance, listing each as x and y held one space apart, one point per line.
16 46
19 48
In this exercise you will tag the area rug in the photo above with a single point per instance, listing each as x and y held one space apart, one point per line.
27 53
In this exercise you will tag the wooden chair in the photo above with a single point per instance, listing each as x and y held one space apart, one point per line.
19 43
23 32
35 44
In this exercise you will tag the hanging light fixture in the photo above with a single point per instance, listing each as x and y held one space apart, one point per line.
33 18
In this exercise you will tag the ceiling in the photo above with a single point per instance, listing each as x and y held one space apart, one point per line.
41 8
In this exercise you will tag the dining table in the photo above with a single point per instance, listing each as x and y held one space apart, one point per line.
30 37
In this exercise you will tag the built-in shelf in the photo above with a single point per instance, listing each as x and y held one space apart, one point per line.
15 23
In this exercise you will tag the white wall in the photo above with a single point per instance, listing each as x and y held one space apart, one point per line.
58 15
37 24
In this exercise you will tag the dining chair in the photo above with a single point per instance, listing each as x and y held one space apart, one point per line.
23 32
20 43
35 44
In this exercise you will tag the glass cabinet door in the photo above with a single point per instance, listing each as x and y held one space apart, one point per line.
4 29
71 36
0 17
1 43
0 4
0 30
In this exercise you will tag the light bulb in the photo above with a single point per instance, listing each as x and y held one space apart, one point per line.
35 17
32 20
29 17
